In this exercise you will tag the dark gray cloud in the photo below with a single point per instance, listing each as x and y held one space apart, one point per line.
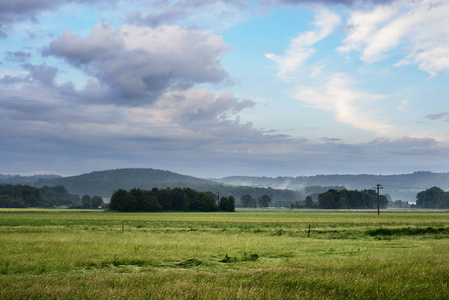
331 140
437 116
9 80
37 74
42 74
136 65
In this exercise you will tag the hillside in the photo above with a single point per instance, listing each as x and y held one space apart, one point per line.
104 183
29 180
283 190
399 187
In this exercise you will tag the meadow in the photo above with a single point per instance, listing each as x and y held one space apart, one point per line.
249 254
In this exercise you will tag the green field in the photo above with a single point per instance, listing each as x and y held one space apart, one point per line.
67 254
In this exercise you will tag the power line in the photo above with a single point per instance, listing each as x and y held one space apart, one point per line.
390 187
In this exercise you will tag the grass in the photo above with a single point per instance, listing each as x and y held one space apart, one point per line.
49 254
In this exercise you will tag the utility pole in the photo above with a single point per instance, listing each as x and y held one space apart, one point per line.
378 186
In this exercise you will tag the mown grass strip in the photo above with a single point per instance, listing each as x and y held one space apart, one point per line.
408 231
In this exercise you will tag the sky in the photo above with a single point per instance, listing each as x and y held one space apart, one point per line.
220 88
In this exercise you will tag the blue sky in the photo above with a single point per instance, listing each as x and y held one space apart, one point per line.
218 88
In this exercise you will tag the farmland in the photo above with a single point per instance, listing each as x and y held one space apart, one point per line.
250 254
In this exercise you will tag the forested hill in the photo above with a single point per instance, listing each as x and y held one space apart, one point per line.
104 183
282 189
418 180
402 186
30 180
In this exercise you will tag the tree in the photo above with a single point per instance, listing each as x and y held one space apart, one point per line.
264 200
9 202
31 195
150 202
227 203
85 201
248 201
179 199
206 202
122 200
96 201
309 202
432 198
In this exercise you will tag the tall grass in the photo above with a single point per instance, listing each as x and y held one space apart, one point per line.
244 255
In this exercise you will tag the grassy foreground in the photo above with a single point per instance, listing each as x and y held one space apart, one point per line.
62 254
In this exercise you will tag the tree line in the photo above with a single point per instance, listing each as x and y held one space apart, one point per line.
21 196
168 199
249 201
349 199
434 197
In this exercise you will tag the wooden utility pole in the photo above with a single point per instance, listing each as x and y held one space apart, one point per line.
378 186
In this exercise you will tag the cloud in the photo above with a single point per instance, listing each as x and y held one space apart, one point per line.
300 48
18 56
138 64
34 75
349 106
322 2
331 140
199 106
419 28
12 12
437 116
194 132
221 12
194 117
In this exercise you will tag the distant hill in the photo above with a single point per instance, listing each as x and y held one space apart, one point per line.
283 190
399 187
104 183
24 180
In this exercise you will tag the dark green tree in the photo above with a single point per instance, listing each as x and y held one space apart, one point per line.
179 200
85 202
96 201
309 202
264 201
123 200
248 201
227 204
206 202
150 202
432 198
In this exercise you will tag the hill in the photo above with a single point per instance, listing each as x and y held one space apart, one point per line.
283 190
29 180
399 187
104 183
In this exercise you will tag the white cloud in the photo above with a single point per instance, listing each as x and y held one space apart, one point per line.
420 29
300 48
349 106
